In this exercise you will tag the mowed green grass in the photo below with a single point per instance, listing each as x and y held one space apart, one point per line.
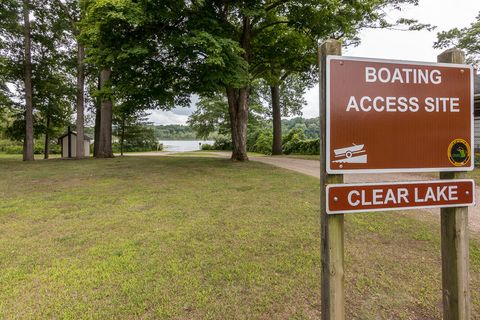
198 238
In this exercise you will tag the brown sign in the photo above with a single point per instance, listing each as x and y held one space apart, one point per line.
394 116
345 198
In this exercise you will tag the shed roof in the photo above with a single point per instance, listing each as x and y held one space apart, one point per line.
85 137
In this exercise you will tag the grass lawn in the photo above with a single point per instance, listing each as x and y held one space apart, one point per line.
198 238
303 156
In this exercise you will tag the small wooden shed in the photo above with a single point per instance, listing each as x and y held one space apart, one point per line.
68 143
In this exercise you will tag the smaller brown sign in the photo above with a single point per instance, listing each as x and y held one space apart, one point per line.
367 197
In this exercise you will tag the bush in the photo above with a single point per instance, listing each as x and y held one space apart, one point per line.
136 148
294 135
55 149
263 142
294 146
222 143
13 149
9 146
207 146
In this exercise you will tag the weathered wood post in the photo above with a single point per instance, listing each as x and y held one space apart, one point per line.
333 293
454 230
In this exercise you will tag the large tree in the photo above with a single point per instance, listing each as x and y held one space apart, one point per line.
35 65
127 39
71 12
226 41
158 51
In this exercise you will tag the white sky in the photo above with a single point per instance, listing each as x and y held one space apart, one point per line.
385 44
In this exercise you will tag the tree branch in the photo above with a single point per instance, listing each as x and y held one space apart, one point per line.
269 25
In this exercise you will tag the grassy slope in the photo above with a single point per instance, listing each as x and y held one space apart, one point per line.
197 238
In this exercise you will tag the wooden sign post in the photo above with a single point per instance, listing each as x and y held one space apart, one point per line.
455 249
395 116
333 278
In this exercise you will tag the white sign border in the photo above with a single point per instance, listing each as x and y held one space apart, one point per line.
391 183
392 170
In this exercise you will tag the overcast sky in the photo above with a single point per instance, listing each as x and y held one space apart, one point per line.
385 44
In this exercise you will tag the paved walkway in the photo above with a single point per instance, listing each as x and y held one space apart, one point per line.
312 168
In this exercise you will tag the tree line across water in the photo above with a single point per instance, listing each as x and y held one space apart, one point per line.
113 60
145 136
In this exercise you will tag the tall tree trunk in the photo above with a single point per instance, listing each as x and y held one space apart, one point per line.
80 101
277 120
46 150
28 141
238 111
122 138
105 136
98 117
238 101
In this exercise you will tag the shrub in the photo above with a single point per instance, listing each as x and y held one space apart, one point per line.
8 145
222 143
295 146
295 135
14 149
55 149
136 148
207 146
263 142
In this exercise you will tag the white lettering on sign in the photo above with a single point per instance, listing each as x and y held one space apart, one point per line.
403 104
447 193
378 197
403 75
401 196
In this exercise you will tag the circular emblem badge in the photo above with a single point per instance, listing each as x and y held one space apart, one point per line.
458 152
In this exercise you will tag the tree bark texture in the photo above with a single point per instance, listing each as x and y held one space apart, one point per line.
277 120
46 151
105 134
80 152
238 101
238 111
98 117
122 139
28 141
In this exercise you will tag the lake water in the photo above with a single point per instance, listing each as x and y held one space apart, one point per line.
184 145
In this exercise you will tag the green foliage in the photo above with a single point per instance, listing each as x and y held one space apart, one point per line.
301 137
15 147
137 147
261 141
295 142
296 134
11 147
310 127
467 39
134 133
206 146
308 147
222 143
212 116
133 40
52 67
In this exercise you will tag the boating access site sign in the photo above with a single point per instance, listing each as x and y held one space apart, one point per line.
398 116
345 198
